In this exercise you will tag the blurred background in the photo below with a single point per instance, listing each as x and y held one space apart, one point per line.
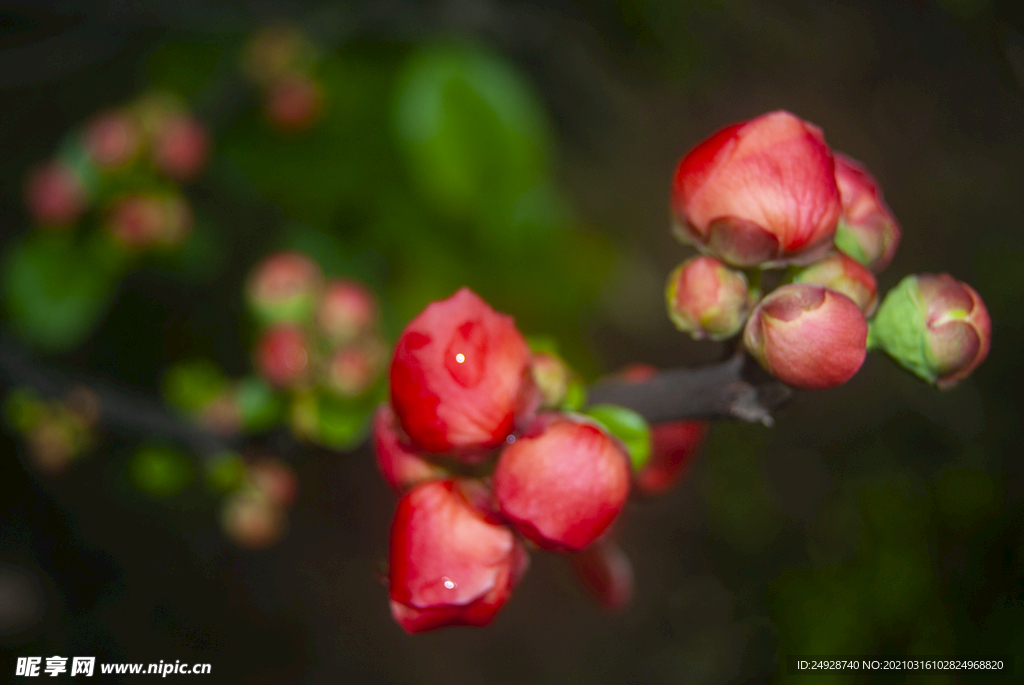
524 151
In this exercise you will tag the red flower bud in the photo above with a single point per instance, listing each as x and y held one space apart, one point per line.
808 336
867 230
141 221
55 195
674 446
284 287
398 460
605 571
282 355
450 564
707 299
759 193
352 370
347 310
564 485
112 139
459 375
844 275
181 146
293 102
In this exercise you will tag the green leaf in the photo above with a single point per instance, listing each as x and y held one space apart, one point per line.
56 291
192 385
160 470
259 405
225 472
341 423
472 130
627 426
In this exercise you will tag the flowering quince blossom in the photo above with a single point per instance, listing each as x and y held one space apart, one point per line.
844 275
450 562
674 446
867 230
563 484
707 299
606 572
399 462
935 326
759 193
460 375
807 336
284 287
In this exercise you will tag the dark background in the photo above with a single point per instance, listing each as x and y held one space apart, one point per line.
883 517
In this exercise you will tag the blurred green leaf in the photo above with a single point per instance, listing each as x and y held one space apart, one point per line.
160 470
225 472
258 404
472 130
184 67
341 423
192 385
22 409
629 427
56 290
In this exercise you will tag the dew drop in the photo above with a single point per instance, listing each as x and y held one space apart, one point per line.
460 358
449 583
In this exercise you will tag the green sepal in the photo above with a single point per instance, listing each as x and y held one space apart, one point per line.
629 427
160 470
847 242
899 328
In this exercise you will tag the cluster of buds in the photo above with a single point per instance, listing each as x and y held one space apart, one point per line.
258 494
479 441
201 390
320 344
770 193
56 432
128 163
279 60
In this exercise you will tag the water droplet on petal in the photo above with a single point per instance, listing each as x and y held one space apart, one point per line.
449 583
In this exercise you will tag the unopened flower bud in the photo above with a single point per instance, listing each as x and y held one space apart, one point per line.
112 139
181 146
867 230
759 193
252 520
674 446
282 355
398 460
352 370
274 478
284 287
807 336
460 375
935 326
606 572
55 195
707 299
293 102
449 564
564 485
552 377
141 221
275 51
347 310
844 275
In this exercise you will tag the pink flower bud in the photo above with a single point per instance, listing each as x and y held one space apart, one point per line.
398 460
674 446
252 520
352 370
867 230
55 195
460 375
112 139
274 478
564 485
844 275
807 336
762 192
282 355
181 146
707 299
284 287
346 311
293 102
141 221
449 563
935 326
605 571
